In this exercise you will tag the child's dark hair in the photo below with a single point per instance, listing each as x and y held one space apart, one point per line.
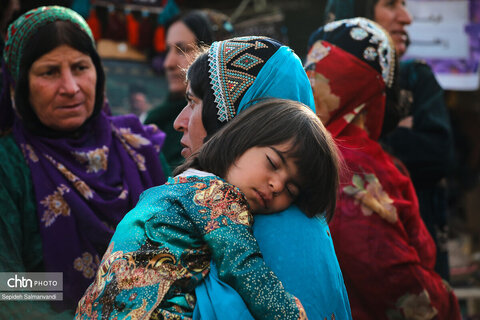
272 122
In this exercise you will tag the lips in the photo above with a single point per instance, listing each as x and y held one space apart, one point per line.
185 151
264 200
71 106
399 34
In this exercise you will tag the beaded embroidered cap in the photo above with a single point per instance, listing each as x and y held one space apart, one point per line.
233 66
20 31
371 44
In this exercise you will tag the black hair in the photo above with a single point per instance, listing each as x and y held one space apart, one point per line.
208 25
271 122
199 77
361 8
46 39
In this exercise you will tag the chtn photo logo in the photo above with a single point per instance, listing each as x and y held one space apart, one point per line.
16 282
23 282
31 281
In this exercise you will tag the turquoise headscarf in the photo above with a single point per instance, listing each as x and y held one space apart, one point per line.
244 69
298 249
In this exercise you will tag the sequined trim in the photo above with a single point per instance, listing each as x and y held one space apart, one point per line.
358 34
370 54
385 49
229 84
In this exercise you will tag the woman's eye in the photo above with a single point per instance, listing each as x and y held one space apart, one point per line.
82 67
49 72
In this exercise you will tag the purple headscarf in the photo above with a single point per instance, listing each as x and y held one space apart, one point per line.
84 185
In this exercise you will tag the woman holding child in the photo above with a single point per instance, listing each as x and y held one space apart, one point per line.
222 83
297 248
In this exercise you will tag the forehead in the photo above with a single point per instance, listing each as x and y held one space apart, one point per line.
62 53
180 33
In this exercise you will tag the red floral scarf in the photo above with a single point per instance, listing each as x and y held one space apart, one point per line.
383 247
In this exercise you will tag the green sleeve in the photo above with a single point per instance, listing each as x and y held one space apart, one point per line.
20 241
226 228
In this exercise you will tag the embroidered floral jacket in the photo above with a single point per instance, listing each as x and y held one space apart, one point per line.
162 249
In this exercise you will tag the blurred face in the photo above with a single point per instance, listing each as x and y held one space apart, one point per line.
267 177
394 17
62 88
189 121
139 102
180 42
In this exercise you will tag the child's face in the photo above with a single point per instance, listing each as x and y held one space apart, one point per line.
267 177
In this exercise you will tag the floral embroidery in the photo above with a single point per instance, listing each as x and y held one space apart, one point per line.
133 139
222 200
212 225
150 265
317 53
95 160
29 152
414 306
87 265
123 195
302 315
140 160
83 189
79 185
370 194
325 101
55 205
128 140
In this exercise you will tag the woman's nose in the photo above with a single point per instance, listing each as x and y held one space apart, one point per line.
170 62
69 83
404 15
181 121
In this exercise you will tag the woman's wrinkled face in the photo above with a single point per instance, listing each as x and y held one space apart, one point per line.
394 17
62 85
189 121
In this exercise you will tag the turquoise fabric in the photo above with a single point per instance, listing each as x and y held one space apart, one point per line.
287 82
300 252
298 249
162 248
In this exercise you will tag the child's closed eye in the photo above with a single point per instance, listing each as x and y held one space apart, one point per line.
293 190
272 164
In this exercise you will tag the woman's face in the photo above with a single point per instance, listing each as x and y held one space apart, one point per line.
180 42
62 88
394 17
189 121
